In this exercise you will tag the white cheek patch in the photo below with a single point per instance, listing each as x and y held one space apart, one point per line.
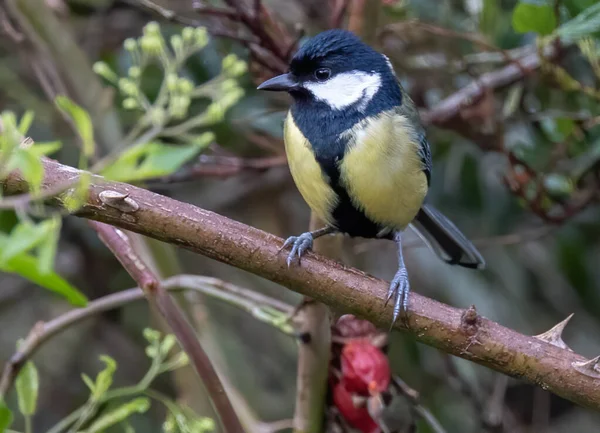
346 89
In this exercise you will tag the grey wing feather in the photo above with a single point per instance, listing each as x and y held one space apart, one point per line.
445 239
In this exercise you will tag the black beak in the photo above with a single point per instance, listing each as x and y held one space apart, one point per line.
285 82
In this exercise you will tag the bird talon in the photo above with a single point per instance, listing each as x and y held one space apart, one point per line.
300 245
399 290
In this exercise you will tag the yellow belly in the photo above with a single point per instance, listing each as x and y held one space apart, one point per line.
383 172
308 176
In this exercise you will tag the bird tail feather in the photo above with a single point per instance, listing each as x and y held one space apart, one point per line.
445 239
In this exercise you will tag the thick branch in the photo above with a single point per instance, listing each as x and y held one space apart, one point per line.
471 337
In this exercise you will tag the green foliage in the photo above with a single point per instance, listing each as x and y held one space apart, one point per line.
107 407
82 122
584 24
27 385
119 415
154 159
77 196
17 258
530 16
30 248
17 153
169 115
6 417
103 379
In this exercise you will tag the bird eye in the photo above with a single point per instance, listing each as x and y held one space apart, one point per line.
322 74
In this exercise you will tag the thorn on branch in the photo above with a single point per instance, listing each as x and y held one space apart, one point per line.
589 368
554 335
469 320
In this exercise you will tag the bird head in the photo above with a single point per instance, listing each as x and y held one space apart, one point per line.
336 68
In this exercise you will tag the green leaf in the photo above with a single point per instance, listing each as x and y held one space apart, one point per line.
557 129
44 149
89 382
47 248
534 17
120 414
27 266
76 197
29 165
576 6
6 417
26 122
151 160
10 137
24 237
584 24
104 378
82 122
27 386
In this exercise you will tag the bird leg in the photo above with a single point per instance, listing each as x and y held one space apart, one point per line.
399 287
303 243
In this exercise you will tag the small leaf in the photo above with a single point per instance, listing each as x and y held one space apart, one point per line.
76 197
29 165
47 249
27 266
584 24
167 344
104 378
151 160
6 417
89 382
27 386
120 414
534 17
44 149
26 122
24 237
82 122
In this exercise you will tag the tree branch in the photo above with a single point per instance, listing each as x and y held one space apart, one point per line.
449 108
118 242
247 300
470 336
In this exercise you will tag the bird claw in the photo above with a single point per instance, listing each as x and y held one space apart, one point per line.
300 245
399 290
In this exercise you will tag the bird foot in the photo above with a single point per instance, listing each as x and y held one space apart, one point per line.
399 290
300 245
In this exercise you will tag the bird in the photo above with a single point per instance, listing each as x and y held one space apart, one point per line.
359 155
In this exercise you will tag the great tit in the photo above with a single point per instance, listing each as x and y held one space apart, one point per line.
359 155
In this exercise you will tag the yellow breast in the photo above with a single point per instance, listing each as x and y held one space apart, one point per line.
383 172
308 176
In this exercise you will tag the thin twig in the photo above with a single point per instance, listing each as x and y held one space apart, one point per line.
413 396
247 300
449 108
118 242
211 166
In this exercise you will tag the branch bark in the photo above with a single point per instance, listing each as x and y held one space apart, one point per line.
468 336
118 242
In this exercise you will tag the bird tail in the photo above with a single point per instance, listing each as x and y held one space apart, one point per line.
445 239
